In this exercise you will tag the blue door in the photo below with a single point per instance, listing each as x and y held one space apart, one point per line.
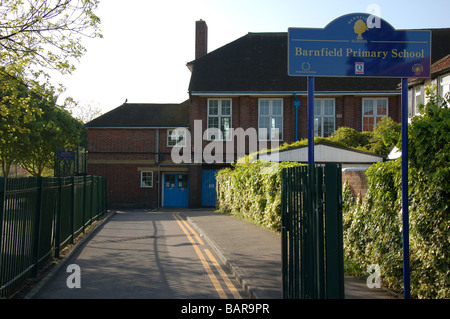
176 190
209 188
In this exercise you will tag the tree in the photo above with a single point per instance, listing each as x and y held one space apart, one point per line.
16 112
429 159
45 34
37 36
350 137
386 134
373 225
87 112
380 141
32 126
54 128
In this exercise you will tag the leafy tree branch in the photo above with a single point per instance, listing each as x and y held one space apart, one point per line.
46 33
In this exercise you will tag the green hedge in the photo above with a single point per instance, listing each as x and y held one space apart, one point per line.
373 226
252 191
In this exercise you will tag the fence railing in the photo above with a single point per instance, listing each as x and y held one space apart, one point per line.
41 216
312 239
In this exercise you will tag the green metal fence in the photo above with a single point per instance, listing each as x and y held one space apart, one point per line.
312 240
39 217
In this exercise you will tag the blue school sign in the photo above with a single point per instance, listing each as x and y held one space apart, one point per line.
362 45
349 47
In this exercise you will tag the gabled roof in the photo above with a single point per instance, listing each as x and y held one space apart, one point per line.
257 62
441 66
440 43
438 68
139 115
323 153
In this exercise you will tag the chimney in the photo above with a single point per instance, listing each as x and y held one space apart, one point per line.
201 39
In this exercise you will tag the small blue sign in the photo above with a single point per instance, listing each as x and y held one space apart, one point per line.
66 155
347 46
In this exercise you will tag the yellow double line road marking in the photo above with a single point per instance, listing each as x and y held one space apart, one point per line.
191 235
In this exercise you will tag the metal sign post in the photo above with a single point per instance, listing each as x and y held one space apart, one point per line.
310 120
347 47
405 200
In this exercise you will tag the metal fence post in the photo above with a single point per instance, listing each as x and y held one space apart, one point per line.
58 219
319 242
37 227
84 204
333 233
312 243
284 282
72 209
92 198
2 214
99 193
105 190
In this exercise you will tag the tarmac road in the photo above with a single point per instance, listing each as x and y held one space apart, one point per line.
140 254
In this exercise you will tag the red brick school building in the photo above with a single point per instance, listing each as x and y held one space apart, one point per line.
243 84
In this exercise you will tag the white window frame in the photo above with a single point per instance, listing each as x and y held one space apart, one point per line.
375 115
418 98
444 85
271 116
178 134
145 174
211 131
322 115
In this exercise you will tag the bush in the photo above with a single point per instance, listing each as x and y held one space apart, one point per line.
252 191
351 137
373 226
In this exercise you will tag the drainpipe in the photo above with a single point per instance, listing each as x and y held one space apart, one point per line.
297 105
158 167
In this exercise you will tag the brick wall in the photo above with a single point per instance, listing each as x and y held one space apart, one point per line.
348 111
195 186
357 181
123 185
201 39
120 155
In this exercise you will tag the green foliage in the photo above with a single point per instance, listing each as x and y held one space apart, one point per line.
16 111
32 126
380 141
54 128
373 226
37 36
429 151
45 34
351 137
252 191
387 133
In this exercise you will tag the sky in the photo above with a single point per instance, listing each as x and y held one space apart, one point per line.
147 43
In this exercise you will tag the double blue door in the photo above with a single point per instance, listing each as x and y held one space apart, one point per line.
176 190
209 188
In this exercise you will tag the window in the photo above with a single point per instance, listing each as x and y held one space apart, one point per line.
176 137
418 98
146 179
219 119
324 118
270 115
182 181
373 111
170 181
444 86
